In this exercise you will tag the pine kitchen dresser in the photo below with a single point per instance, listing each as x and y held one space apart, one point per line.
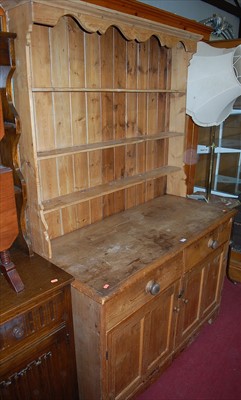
101 97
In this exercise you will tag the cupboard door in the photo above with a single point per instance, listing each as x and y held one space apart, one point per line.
43 371
125 347
200 293
214 271
140 344
159 330
189 304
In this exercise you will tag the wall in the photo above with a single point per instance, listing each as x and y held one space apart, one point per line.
194 9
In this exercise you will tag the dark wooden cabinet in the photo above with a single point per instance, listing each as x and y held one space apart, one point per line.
36 334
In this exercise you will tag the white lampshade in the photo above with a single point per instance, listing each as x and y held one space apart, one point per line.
214 84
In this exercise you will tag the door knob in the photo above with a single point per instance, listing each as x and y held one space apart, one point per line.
153 287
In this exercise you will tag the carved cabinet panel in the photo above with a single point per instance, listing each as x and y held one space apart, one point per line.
36 334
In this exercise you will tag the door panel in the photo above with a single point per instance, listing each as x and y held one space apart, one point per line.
159 329
125 345
140 344
189 303
213 276
200 293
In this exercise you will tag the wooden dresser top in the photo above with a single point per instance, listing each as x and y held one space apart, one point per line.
110 252
40 278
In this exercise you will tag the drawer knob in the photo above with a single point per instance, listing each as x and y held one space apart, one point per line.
153 288
18 332
213 244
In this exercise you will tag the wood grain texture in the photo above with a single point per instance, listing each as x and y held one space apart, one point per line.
134 7
138 65
10 132
8 211
1 121
87 344
104 104
163 241
124 243
42 351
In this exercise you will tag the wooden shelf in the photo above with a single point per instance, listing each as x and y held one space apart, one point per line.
104 103
42 155
101 190
104 90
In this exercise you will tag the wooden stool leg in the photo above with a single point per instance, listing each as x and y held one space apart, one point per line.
9 271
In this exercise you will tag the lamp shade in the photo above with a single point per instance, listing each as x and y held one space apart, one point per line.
214 84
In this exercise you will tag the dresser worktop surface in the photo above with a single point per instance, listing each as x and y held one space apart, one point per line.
103 256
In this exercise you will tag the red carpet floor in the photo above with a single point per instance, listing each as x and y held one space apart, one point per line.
210 368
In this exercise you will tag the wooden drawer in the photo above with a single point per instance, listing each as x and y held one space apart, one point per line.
206 245
136 295
27 326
